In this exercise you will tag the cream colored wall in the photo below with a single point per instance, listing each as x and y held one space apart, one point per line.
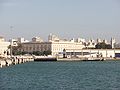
55 47
104 52
59 46
4 47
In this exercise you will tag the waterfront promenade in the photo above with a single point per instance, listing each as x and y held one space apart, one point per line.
7 61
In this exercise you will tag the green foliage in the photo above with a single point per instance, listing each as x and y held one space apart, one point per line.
37 53
103 46
42 53
47 52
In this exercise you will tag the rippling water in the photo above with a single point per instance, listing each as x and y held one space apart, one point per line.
61 76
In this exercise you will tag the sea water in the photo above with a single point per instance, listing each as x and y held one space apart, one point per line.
82 75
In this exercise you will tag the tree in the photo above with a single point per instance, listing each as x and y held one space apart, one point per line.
16 50
38 53
103 46
48 52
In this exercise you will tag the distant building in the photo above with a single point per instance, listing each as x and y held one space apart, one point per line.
80 40
37 39
14 42
102 41
58 47
36 46
4 46
91 44
112 42
53 37
22 40
55 45
2 39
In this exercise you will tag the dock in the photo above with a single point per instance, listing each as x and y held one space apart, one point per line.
8 61
44 58
80 59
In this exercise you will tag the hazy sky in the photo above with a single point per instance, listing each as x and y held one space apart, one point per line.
66 18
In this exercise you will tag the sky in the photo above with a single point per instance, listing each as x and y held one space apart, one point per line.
89 19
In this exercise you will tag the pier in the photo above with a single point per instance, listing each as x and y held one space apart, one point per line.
7 61
44 58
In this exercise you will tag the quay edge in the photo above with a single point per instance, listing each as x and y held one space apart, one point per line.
7 61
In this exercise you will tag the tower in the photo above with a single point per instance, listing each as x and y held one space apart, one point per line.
53 37
112 42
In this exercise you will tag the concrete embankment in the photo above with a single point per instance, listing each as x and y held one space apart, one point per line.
45 58
7 61
70 59
88 59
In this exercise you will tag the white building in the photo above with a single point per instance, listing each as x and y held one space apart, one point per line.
53 37
106 53
22 40
37 39
4 46
112 42
2 39
58 47
54 45
14 42
91 44
80 40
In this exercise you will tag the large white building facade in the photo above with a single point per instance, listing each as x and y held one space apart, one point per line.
54 44
71 47
54 47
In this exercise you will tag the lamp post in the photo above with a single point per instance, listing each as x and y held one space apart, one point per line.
64 53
